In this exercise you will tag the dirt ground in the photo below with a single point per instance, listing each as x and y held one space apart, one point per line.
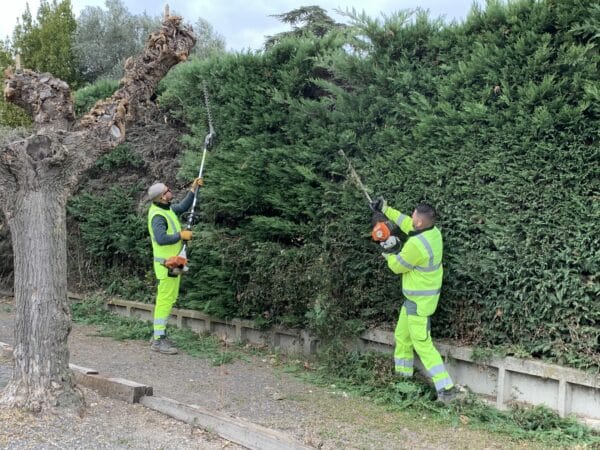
253 388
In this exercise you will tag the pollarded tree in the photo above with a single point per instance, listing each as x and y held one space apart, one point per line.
37 175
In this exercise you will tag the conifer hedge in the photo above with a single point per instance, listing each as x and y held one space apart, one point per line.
494 121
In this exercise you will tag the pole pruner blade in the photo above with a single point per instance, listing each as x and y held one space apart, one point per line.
209 138
355 177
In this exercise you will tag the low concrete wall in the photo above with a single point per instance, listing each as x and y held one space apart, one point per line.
507 380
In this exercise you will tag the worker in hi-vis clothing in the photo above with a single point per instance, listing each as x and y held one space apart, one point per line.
167 241
420 263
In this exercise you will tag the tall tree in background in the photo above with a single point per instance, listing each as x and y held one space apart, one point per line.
306 20
45 44
209 41
38 173
5 56
104 38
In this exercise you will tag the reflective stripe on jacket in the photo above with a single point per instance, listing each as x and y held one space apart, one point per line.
419 262
162 252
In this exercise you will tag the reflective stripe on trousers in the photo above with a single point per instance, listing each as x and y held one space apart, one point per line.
403 367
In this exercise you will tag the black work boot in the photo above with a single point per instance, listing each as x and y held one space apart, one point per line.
163 345
446 395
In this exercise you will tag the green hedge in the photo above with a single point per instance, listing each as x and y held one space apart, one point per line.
494 121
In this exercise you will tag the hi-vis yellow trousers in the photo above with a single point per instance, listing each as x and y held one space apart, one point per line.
413 335
168 289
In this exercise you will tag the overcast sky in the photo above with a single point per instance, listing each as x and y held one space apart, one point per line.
245 23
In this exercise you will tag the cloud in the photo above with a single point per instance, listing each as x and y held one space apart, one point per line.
245 24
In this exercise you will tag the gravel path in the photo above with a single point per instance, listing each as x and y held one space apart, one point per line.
254 389
106 424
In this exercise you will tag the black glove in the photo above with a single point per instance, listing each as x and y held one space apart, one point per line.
378 205
377 217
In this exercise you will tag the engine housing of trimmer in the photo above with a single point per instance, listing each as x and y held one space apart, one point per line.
383 228
177 265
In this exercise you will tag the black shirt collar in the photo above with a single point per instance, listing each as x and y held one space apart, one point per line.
415 232
166 206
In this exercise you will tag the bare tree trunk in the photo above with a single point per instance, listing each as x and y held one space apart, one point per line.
41 374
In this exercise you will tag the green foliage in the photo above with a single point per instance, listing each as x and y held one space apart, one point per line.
371 374
5 56
113 233
13 116
133 282
263 193
110 227
10 115
85 98
45 44
120 156
493 121
93 312
305 21
208 286
208 41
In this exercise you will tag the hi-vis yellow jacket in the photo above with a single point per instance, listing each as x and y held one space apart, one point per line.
420 263
162 252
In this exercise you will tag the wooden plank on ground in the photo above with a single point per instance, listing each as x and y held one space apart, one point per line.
117 388
84 370
236 430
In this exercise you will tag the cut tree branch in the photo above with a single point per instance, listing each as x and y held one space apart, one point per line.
109 118
45 98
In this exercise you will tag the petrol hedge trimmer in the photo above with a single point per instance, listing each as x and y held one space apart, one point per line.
384 230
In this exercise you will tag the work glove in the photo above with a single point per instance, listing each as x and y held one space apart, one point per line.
196 183
378 205
391 244
185 235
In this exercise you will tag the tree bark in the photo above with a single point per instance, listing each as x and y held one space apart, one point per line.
37 175
41 374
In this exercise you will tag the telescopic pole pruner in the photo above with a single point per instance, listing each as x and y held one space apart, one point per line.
190 216
208 141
